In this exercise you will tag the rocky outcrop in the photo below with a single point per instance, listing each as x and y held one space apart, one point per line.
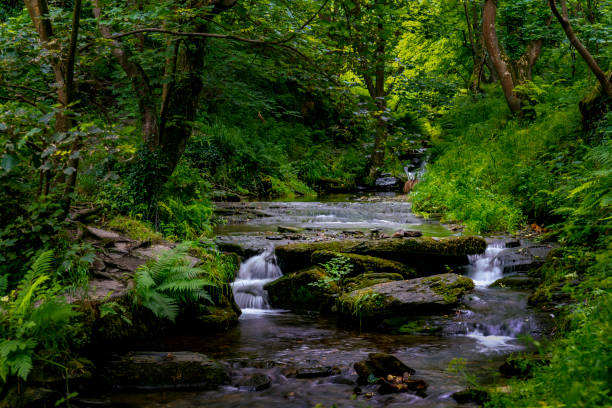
365 264
524 258
294 291
412 297
163 370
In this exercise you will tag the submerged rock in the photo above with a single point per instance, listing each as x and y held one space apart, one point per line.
295 292
255 382
408 297
365 264
162 370
380 365
516 282
314 372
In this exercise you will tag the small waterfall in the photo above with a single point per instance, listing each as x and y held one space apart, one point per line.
485 269
254 273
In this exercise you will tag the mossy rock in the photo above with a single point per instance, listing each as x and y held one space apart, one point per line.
294 291
428 255
365 264
414 297
409 325
163 370
516 282
369 279
294 257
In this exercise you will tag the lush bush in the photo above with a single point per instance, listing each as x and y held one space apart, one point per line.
493 172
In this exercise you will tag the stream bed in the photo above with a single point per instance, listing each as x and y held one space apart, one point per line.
491 323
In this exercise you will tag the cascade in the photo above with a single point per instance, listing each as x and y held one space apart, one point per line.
484 269
254 273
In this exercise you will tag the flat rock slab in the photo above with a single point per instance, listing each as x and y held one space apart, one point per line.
407 297
162 370
106 235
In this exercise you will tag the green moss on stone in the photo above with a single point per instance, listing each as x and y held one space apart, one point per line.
294 291
452 290
365 264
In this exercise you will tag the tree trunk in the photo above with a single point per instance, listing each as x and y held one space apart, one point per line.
606 85
492 44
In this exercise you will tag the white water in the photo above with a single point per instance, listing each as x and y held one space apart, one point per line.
485 269
254 273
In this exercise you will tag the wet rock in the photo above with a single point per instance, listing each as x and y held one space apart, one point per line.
394 384
523 259
243 251
471 395
427 254
295 292
313 372
409 297
27 397
370 279
255 382
409 325
162 370
294 257
513 243
380 365
406 234
364 264
516 282
292 230
387 182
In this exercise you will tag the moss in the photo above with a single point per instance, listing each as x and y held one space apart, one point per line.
365 264
134 229
369 279
450 291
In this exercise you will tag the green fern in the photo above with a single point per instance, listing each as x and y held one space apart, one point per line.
33 318
162 285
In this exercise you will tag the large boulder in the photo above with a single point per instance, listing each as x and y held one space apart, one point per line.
523 259
294 257
295 292
428 255
365 264
412 297
163 370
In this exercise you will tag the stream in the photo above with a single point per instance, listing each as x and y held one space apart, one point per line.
491 323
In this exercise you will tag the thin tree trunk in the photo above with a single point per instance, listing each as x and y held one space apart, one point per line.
73 162
492 44
606 85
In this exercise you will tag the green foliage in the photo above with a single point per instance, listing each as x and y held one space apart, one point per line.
336 270
35 320
164 284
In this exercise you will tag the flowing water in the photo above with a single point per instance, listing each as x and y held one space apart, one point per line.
489 326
